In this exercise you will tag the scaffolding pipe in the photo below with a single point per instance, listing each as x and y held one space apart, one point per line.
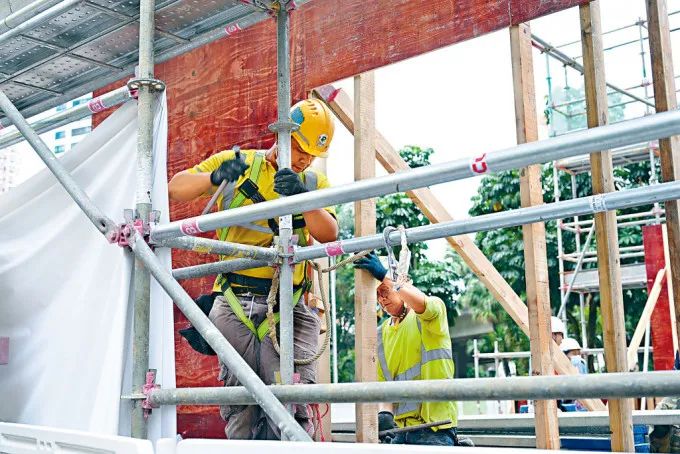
9 137
663 124
210 246
143 184
529 215
23 14
577 269
283 128
568 61
227 354
212 269
105 225
26 18
610 386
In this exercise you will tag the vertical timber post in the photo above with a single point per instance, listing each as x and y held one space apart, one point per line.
665 100
611 292
535 254
365 343
142 279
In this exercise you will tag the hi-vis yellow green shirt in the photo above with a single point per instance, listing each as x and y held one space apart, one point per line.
257 233
418 348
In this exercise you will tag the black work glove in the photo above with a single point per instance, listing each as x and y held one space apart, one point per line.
191 334
372 264
230 171
386 422
287 182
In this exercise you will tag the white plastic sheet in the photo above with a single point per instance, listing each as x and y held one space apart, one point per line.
64 291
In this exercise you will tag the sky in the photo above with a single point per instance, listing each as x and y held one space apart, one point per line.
459 100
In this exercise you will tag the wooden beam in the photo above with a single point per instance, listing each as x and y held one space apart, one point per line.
646 315
669 278
665 99
342 106
535 255
609 270
323 367
365 342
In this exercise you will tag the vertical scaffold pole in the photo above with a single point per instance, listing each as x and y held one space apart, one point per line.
283 128
140 345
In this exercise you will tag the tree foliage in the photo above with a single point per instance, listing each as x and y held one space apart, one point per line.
443 278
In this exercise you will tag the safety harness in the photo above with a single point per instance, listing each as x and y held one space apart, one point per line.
249 190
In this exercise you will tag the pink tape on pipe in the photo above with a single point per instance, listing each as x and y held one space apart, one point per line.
4 350
96 105
190 227
334 248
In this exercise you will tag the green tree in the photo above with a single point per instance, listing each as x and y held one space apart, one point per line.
442 278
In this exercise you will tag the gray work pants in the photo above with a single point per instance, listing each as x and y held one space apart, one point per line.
249 422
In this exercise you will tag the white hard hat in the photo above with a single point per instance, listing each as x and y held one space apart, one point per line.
569 344
557 326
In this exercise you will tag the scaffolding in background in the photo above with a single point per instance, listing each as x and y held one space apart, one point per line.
141 232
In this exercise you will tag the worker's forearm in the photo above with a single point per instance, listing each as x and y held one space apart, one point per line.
321 225
414 298
186 186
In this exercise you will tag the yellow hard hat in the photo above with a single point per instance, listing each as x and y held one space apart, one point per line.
316 126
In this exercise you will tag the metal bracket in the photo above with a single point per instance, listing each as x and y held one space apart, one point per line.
133 222
281 127
153 84
149 386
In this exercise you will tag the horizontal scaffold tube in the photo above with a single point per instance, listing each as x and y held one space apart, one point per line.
652 127
608 386
225 351
209 246
210 269
567 208
113 98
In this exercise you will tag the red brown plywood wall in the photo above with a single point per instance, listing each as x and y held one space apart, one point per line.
225 93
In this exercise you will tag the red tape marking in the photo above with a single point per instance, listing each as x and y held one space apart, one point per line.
334 248
96 105
231 29
328 93
478 165
190 227
4 350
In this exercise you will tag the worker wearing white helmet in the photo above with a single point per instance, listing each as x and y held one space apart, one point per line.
559 331
572 349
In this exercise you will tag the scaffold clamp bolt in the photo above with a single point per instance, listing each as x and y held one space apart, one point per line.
149 386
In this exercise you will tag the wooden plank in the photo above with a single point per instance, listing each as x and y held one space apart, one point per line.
669 149
342 106
609 270
641 327
535 255
365 341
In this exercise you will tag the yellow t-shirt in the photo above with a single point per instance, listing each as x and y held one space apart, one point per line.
418 348
262 236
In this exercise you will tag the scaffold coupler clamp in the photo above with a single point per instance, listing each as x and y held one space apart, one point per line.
133 85
149 386
134 223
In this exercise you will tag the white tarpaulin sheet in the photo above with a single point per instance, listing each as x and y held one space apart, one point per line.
64 291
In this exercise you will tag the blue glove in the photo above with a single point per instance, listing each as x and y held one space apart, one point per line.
230 170
372 264
287 182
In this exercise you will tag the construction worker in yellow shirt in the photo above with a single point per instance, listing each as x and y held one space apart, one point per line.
239 310
413 344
